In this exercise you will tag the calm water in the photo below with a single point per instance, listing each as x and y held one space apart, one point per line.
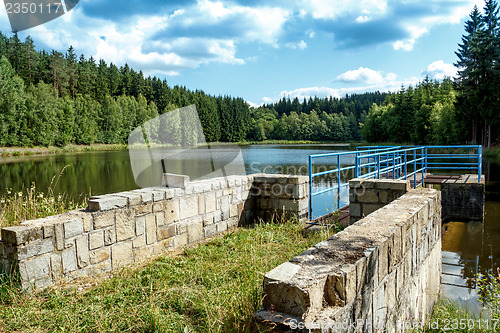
472 246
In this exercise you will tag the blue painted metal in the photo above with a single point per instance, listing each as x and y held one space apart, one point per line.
396 162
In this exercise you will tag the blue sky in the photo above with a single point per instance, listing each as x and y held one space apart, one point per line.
264 50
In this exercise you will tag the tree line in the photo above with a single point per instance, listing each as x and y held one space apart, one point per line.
57 99
466 110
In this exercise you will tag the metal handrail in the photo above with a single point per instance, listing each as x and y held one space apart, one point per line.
398 162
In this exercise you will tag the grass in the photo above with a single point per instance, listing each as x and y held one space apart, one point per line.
31 203
212 287
447 316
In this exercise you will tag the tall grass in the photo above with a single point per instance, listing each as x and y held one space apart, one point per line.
31 203
213 287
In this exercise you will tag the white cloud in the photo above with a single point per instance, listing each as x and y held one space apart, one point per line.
438 70
333 9
300 45
366 76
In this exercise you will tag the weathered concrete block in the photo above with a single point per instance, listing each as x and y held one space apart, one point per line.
73 228
100 255
370 208
146 196
68 260
174 180
35 248
140 225
171 211
355 210
56 266
158 206
82 251
195 230
134 199
103 219
96 239
122 254
21 234
160 219
139 241
210 230
143 209
106 202
188 207
166 232
143 254
150 229
109 236
369 196
34 269
125 224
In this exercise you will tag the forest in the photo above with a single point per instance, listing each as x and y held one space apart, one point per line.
466 110
51 98
57 99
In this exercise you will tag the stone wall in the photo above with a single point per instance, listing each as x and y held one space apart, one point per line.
130 227
463 199
368 195
380 272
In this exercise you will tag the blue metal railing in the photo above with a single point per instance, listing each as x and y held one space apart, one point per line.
395 162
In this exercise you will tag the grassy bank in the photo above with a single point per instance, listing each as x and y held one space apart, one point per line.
213 287
27 151
31 204
447 316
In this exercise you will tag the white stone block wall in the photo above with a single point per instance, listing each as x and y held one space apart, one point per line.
130 227
368 195
379 272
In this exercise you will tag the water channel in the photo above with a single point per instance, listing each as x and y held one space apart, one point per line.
468 247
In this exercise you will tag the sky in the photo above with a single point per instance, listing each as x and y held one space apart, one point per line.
265 50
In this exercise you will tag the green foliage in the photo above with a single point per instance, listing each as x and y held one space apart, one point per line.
425 114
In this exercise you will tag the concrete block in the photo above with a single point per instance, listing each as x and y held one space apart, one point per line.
156 195
35 248
143 254
210 230
140 225
103 219
158 206
48 231
96 239
174 180
210 201
188 207
56 266
125 224
195 231
122 254
109 236
150 229
180 240
21 234
166 232
59 236
370 208
146 196
139 241
160 219
82 251
369 196
100 255
201 204
171 211
68 260
73 228
355 209
162 246
34 269
106 202
134 199
87 222
143 209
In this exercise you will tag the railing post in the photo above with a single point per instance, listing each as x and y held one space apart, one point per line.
479 162
338 182
414 168
393 165
356 164
406 165
309 213
423 165
378 166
